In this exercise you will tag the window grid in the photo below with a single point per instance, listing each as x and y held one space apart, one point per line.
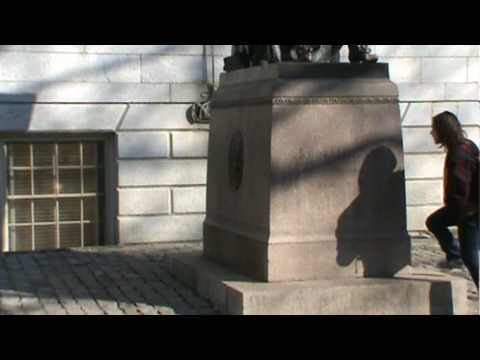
82 240
56 186
32 182
58 194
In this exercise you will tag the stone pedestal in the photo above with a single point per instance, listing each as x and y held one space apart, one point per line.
306 205
410 292
305 173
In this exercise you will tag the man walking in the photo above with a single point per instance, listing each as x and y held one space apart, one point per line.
461 196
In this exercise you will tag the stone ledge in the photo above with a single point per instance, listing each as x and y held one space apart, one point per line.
414 292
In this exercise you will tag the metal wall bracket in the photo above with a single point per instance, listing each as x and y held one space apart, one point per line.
199 113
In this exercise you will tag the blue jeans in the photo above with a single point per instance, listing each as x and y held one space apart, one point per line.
468 245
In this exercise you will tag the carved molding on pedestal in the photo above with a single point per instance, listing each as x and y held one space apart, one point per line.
299 101
334 100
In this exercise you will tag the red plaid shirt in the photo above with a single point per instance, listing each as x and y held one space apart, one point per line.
461 183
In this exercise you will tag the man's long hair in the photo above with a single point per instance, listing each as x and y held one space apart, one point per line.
449 129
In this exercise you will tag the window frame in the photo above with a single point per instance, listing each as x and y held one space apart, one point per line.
110 167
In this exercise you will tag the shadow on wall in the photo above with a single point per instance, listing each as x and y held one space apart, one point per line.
16 112
372 230
15 116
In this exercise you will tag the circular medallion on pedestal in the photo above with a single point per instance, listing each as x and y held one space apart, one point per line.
235 160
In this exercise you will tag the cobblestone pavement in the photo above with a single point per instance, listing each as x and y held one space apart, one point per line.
101 281
121 281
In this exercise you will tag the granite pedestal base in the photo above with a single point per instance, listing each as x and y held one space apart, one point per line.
412 292
305 173
306 209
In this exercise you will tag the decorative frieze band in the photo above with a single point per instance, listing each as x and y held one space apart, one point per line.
334 100
307 101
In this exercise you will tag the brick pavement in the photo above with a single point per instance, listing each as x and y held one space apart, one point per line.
96 281
122 281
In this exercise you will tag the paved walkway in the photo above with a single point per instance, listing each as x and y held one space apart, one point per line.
119 281
426 253
102 281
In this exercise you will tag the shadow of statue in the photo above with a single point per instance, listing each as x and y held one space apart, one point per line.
372 231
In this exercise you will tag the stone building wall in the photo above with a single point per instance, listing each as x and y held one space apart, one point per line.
431 79
141 93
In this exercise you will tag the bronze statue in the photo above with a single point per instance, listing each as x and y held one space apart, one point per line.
245 56
359 54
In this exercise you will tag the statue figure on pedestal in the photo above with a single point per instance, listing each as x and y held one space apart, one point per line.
245 56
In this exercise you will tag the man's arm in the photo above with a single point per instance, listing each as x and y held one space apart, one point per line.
459 179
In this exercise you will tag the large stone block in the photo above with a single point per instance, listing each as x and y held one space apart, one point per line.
146 49
422 92
406 70
158 117
176 69
462 92
69 92
444 70
162 172
45 48
416 114
144 201
418 166
143 145
188 92
427 50
147 229
189 200
56 117
305 177
69 67
417 140
424 192
474 69
469 113
190 144
420 114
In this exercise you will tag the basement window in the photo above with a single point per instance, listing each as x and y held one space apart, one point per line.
55 193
